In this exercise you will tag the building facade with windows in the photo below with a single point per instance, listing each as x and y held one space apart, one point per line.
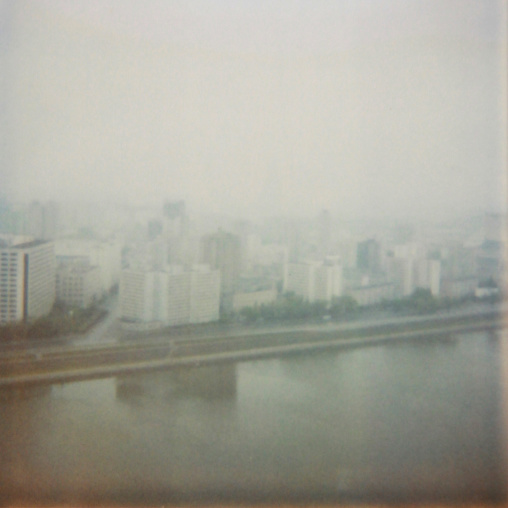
27 279
171 297
314 281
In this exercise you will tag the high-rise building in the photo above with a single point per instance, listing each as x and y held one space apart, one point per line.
299 279
409 267
313 280
42 220
174 218
12 218
175 232
175 296
401 273
369 255
27 279
222 251
428 275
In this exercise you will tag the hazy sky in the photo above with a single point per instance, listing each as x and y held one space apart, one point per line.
257 107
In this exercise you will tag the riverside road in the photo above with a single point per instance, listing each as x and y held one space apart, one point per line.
92 360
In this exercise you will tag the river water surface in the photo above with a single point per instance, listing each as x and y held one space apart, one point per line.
413 421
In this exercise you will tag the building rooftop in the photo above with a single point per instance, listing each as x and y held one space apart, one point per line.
30 244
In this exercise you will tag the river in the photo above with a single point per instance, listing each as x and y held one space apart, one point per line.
418 421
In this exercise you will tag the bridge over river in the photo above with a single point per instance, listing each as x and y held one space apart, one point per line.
63 364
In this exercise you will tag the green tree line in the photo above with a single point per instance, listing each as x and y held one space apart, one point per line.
290 307
60 321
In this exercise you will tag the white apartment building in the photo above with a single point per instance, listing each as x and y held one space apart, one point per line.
313 280
133 291
370 294
171 297
401 272
428 275
204 294
299 279
410 269
27 279
177 296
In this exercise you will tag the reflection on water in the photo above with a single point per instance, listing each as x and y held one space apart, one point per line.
209 382
394 422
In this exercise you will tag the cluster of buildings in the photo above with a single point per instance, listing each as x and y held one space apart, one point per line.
170 279
38 269
171 272
392 267
248 266
36 273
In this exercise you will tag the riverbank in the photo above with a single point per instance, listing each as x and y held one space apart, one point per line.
64 364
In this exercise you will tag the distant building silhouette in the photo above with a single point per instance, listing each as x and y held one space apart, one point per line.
42 220
175 232
222 251
324 233
368 256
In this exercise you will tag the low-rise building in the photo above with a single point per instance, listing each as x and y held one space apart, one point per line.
371 293
254 298
458 287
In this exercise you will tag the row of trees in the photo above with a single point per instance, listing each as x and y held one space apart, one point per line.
290 307
61 321
422 301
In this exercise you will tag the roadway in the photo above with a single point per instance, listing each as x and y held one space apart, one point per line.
92 360
109 332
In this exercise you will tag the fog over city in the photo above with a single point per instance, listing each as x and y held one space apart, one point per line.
253 252
376 109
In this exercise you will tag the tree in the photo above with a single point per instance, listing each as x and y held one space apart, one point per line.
343 306
422 301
